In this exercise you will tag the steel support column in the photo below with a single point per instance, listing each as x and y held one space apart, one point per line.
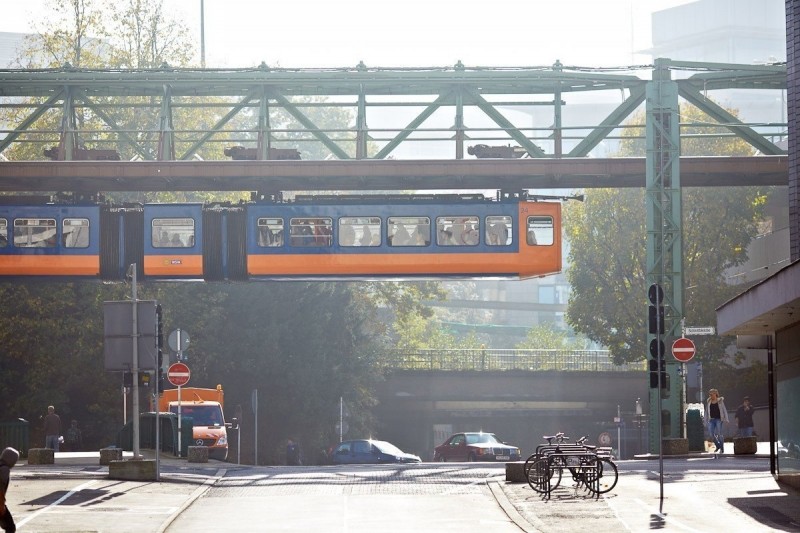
664 240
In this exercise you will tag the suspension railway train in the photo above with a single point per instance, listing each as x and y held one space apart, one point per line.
512 235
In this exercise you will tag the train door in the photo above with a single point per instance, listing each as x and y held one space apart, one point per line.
121 242
224 243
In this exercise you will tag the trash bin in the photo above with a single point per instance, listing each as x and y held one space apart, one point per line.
695 430
15 433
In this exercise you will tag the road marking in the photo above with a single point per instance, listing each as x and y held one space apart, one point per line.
56 503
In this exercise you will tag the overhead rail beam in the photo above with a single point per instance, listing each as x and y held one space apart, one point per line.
389 174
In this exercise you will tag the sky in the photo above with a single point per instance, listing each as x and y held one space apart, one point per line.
411 33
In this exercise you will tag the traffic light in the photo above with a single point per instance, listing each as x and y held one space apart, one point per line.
654 371
655 313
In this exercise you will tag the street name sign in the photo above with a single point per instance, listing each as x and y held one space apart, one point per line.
708 330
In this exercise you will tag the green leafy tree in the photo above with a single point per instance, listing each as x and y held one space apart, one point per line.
607 236
546 337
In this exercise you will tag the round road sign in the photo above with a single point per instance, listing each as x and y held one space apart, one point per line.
683 349
178 374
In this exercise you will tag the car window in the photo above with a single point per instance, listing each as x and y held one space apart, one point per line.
343 448
458 440
476 438
387 447
361 446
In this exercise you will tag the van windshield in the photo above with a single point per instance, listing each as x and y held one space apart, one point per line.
202 415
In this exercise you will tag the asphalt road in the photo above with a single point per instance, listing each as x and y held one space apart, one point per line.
701 494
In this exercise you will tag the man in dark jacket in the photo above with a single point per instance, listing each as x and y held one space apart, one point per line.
744 418
8 458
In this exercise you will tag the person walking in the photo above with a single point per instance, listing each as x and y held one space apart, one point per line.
716 415
744 418
52 429
73 440
292 453
8 458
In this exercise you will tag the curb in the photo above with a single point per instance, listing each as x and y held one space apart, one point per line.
511 511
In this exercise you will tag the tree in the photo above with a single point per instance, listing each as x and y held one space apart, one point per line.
607 258
546 337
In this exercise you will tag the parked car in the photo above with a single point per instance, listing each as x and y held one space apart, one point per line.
477 446
368 451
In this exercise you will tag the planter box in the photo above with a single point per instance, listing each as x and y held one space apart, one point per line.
41 456
675 446
744 445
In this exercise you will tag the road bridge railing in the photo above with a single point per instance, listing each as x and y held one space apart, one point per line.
529 360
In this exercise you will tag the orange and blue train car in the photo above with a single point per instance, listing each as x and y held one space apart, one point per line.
315 237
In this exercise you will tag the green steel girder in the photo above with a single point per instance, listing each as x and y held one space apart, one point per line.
362 89
309 124
664 241
509 128
40 110
613 120
105 117
219 124
721 115
415 123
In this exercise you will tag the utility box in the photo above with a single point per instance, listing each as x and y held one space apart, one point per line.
695 431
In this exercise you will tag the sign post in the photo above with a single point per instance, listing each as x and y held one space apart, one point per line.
179 374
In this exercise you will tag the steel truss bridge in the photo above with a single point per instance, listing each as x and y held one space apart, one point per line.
386 129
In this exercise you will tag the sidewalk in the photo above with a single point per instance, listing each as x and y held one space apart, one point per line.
762 450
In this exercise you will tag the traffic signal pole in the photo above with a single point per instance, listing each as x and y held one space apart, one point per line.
664 249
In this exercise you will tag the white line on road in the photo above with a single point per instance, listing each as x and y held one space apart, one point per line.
55 503
665 518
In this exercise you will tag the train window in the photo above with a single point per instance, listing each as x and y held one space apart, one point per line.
35 233
409 231
3 233
270 232
310 231
457 231
359 231
498 230
173 232
75 233
540 231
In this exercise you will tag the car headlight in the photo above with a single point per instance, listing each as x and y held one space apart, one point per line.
223 441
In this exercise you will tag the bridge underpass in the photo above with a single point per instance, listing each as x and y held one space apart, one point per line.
520 395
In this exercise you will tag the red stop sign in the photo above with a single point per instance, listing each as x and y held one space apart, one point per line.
178 374
683 349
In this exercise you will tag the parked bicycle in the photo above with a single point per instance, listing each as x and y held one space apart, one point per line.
590 467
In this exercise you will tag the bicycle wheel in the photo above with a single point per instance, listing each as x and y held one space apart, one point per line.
540 475
606 476
528 462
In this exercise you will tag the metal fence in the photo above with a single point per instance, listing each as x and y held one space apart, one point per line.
508 360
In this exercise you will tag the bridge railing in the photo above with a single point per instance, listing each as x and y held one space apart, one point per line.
508 360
